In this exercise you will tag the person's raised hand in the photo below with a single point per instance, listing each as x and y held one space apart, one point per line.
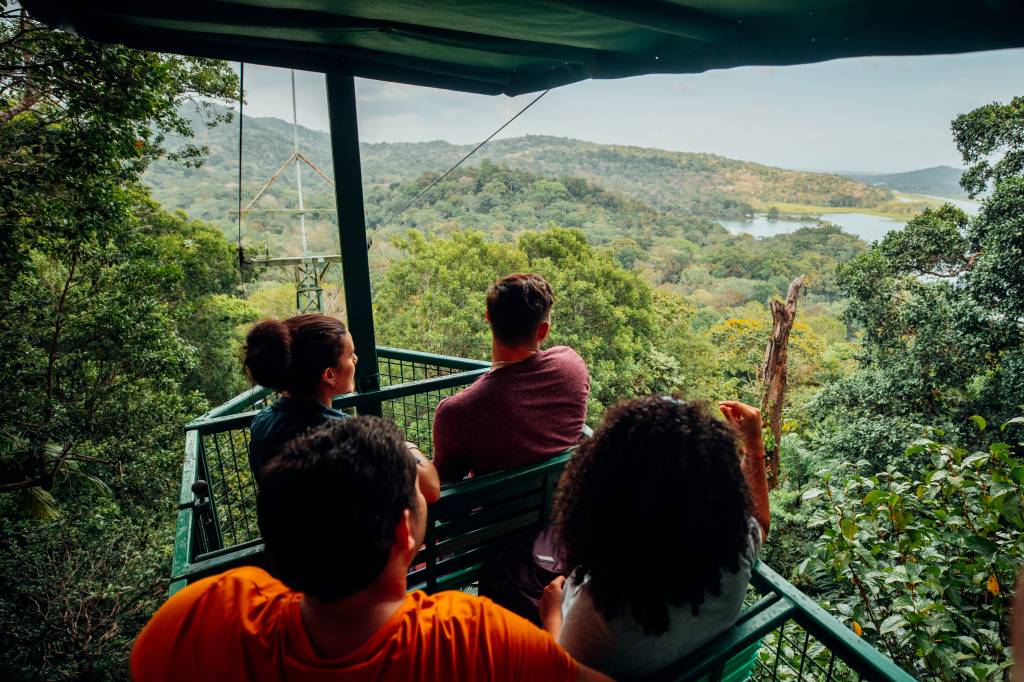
746 419
550 606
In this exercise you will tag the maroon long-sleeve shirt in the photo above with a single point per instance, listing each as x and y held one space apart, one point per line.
512 416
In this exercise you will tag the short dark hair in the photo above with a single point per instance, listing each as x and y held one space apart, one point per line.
516 305
291 355
329 502
653 508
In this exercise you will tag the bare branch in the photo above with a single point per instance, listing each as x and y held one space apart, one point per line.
773 373
55 339
24 105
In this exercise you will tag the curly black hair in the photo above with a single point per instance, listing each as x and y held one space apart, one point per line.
653 508
329 503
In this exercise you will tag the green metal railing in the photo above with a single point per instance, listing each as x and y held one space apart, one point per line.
794 639
216 520
782 634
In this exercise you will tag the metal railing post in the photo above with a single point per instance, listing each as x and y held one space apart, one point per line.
355 263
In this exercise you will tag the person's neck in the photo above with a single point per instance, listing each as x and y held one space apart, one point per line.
339 628
323 395
502 354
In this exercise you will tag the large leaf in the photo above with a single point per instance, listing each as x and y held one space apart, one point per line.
811 494
981 545
1015 420
849 527
874 496
891 624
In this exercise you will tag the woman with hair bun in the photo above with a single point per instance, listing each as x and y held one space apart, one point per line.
308 359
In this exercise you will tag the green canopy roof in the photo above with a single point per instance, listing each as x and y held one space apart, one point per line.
518 46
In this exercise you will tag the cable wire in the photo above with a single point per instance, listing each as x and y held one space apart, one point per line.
459 163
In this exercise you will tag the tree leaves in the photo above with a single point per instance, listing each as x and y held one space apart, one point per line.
891 624
103 298
849 527
811 494
926 554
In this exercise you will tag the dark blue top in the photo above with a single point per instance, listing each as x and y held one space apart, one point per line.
279 423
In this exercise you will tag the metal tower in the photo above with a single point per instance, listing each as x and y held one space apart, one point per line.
308 270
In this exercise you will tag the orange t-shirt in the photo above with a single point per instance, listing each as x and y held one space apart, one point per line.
244 624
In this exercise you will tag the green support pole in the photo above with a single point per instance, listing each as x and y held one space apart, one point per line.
355 263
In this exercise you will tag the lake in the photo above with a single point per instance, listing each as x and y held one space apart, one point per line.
866 226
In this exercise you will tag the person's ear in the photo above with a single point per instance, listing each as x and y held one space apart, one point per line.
542 331
328 376
405 538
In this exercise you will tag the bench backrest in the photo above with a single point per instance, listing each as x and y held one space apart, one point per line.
476 518
472 520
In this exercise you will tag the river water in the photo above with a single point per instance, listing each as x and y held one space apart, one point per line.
866 226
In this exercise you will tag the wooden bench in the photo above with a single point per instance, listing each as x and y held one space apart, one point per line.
477 517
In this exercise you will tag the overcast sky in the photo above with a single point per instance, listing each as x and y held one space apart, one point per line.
877 114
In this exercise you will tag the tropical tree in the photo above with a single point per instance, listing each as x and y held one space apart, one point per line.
433 300
112 335
940 304
79 122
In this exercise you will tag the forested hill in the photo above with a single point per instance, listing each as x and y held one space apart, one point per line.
698 184
941 181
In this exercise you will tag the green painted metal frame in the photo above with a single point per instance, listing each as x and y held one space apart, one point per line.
431 358
780 602
355 263
477 517
344 402
238 413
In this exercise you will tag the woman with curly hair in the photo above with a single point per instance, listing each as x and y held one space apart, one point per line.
662 514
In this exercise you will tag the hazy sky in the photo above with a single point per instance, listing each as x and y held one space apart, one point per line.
881 114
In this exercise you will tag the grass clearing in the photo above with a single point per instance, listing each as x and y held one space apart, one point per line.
900 207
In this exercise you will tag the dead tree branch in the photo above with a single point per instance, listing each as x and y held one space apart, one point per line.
772 374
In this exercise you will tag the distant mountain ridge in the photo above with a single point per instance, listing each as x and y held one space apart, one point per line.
696 183
940 181
678 179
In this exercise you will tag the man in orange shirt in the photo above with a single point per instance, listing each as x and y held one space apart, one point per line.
342 518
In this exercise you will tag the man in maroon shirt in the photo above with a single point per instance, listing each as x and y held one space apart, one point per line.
530 406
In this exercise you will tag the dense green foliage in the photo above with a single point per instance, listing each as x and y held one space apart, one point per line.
921 543
105 353
635 339
678 183
921 558
989 139
120 322
115 317
80 122
607 313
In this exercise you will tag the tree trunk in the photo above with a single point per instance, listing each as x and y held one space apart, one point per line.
773 373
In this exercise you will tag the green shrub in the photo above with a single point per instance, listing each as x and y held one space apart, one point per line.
923 564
